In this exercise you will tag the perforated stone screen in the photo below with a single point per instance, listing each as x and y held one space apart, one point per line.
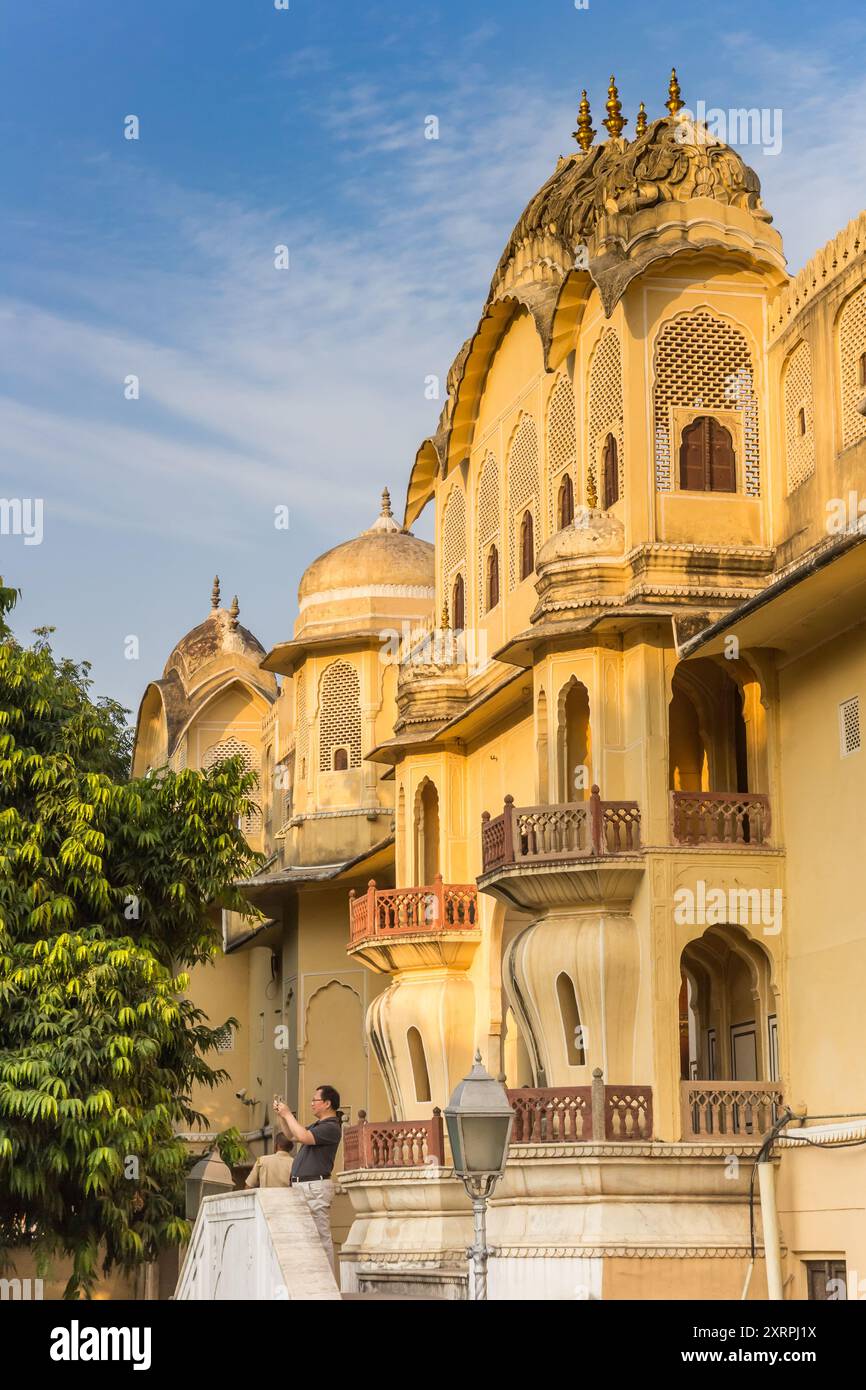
453 540
235 748
604 406
339 715
852 342
302 739
704 363
800 447
487 524
849 726
561 443
523 490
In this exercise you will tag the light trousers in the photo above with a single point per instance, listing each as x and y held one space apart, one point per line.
319 1196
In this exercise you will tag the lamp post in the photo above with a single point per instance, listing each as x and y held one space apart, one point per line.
479 1119
207 1178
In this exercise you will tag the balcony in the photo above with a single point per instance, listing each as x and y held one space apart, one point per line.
596 1114
720 818
539 856
394 1143
714 1111
400 928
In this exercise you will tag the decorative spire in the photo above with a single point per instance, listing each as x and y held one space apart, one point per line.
641 121
215 592
385 520
445 621
584 135
673 102
615 120
233 612
591 490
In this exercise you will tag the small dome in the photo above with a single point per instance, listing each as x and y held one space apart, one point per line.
384 572
592 533
219 636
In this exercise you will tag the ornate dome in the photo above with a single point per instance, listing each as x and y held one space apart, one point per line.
219 638
670 161
367 579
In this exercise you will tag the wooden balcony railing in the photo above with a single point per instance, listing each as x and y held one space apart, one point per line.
574 1114
394 1143
546 1115
545 834
720 818
387 913
714 1110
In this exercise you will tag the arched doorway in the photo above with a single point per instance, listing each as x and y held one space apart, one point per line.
729 1041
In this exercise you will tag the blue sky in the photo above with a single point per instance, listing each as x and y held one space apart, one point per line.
305 388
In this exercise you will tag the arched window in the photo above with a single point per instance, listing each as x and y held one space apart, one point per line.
610 472
339 715
458 604
527 546
492 578
341 759
565 502
567 999
561 444
799 413
453 546
702 361
852 336
605 416
420 1074
707 457
250 762
524 494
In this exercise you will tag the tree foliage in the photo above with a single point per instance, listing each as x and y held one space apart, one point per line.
108 890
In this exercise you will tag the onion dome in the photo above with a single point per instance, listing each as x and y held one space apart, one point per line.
384 573
218 641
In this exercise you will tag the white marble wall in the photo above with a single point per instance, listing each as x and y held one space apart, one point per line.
260 1244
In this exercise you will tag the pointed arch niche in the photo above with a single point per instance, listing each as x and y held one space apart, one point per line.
426 833
573 743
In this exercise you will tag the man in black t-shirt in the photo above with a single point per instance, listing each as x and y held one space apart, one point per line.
314 1161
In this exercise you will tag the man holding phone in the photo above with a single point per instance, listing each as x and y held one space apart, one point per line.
314 1161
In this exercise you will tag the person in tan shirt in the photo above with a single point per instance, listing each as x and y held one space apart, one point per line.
273 1170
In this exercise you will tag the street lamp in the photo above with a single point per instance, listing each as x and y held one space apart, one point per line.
479 1119
207 1178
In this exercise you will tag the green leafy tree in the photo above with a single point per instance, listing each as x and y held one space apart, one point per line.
108 896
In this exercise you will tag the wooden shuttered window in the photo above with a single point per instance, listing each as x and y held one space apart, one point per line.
707 461
610 473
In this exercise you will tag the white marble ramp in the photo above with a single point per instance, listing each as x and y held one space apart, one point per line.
260 1244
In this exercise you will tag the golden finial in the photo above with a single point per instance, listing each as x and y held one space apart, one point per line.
641 121
215 592
673 102
591 492
386 503
584 135
233 612
445 622
615 120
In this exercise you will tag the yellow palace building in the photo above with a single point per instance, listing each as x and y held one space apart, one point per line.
581 784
